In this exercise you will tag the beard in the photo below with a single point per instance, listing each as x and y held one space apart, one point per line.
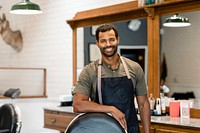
110 53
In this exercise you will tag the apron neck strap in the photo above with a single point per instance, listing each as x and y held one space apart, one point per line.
99 81
125 68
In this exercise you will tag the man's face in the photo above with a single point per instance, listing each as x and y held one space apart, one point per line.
107 43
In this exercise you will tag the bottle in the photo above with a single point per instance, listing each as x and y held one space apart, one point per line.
158 106
151 102
148 2
141 3
163 105
159 1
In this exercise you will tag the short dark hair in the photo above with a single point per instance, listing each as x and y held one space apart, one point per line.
104 28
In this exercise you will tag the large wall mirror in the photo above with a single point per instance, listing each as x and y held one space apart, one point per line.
181 49
129 11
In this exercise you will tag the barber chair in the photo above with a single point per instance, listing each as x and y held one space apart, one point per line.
10 114
94 123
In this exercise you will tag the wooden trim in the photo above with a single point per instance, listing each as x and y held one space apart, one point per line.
74 52
130 10
106 11
109 14
194 113
178 7
169 128
153 55
45 82
23 68
44 95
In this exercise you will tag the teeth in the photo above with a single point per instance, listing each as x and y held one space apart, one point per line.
108 49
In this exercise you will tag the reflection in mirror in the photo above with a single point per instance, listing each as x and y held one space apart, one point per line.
181 49
134 42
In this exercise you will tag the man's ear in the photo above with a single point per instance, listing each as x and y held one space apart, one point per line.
118 40
97 43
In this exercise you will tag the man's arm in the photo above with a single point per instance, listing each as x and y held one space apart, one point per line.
81 104
144 108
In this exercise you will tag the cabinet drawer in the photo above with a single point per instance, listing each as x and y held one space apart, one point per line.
152 130
167 131
57 120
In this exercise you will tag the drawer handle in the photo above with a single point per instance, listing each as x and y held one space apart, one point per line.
53 120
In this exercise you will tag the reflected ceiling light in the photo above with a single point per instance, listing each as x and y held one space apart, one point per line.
177 21
134 25
25 8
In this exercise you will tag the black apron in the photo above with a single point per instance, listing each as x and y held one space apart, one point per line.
119 92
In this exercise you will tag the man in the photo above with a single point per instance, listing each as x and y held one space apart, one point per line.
110 84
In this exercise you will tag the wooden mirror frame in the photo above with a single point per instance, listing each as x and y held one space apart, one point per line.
128 11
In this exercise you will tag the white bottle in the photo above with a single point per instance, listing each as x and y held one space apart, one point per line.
158 106
151 102
141 3
163 105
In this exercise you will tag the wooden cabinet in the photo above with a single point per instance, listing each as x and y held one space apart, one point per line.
152 130
57 120
167 128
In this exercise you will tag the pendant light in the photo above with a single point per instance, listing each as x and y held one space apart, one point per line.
177 21
25 8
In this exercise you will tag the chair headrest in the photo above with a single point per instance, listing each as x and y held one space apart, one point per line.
94 123
9 116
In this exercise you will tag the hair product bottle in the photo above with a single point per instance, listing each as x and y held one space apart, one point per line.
158 106
151 102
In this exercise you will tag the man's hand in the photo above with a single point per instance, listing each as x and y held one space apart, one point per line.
81 104
119 116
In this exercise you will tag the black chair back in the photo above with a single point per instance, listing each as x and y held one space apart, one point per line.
94 123
9 119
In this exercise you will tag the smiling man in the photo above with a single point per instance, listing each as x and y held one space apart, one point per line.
111 83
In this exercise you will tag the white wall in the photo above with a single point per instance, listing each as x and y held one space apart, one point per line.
47 43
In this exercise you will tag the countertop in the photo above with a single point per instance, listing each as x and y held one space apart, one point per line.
190 122
67 109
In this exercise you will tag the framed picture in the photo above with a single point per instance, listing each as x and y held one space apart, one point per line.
135 53
94 52
93 29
